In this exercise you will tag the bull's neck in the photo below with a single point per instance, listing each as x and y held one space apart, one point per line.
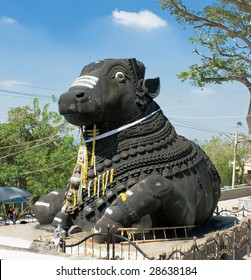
146 134
121 128
106 130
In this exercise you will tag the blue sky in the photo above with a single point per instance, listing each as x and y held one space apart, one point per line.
45 44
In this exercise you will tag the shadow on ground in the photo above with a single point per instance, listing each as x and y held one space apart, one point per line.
216 223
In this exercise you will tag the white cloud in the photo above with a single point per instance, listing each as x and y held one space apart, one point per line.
11 83
7 20
143 19
204 91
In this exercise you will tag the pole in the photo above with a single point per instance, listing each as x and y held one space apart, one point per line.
234 162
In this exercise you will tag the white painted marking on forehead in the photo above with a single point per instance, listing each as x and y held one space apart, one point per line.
85 81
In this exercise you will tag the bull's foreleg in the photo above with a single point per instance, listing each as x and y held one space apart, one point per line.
143 198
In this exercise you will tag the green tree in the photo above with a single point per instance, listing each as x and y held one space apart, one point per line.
221 152
243 156
37 149
222 41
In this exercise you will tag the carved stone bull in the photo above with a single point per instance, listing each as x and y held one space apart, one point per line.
134 168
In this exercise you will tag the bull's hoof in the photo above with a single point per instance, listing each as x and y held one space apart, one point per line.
62 219
75 229
105 227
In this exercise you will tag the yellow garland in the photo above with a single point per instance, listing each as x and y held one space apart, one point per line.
66 203
95 186
84 171
74 170
77 163
93 145
103 183
111 175
74 198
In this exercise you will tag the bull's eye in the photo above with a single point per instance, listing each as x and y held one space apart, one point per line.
120 76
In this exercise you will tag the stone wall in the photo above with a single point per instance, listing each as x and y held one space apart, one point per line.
239 191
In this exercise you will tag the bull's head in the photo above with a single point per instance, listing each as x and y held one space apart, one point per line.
108 91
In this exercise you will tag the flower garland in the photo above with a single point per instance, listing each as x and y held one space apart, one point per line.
93 146
84 170
99 183
95 186
104 175
111 175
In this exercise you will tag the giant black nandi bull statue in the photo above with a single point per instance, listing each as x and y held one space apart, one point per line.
133 167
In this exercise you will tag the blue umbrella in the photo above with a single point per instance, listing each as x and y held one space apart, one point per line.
10 193
16 200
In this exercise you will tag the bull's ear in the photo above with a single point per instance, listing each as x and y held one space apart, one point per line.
151 87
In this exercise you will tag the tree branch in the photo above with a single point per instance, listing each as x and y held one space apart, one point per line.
238 57
229 78
243 5
215 46
189 16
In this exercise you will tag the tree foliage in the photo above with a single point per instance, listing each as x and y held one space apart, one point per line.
243 157
223 32
221 152
37 149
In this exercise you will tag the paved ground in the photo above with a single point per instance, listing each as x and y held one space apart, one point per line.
21 235
15 240
228 204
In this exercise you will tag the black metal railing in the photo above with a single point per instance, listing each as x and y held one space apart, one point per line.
223 245
228 244
240 212
111 238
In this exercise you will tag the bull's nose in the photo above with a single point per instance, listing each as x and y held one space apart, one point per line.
82 96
